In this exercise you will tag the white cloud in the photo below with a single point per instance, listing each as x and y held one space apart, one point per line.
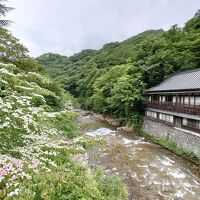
68 26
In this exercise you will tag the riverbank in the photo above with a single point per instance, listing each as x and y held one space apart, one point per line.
181 142
38 144
171 146
164 142
149 171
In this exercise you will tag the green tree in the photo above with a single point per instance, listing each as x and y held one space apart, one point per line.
127 95
103 86
3 10
194 23
12 51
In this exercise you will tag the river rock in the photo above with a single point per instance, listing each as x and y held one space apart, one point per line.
97 116
114 169
82 159
124 128
108 172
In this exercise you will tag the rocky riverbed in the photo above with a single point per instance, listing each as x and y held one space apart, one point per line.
149 171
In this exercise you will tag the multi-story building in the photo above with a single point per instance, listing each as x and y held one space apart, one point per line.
175 103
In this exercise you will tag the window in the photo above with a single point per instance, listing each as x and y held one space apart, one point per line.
171 119
191 123
186 100
182 100
178 100
167 118
192 101
151 114
149 98
185 121
174 99
163 98
198 101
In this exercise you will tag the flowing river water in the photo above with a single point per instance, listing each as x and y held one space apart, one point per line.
150 171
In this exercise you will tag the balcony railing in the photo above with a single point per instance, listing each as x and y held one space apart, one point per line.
175 107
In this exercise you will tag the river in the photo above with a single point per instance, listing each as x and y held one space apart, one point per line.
149 171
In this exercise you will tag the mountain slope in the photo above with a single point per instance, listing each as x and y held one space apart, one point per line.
143 60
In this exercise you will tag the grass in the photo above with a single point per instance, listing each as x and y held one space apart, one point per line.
71 181
87 142
172 146
65 122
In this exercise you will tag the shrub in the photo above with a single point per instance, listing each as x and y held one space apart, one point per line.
65 122
89 142
172 146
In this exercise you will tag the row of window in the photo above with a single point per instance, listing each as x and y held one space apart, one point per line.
187 100
161 116
162 98
192 100
151 114
170 118
167 118
191 123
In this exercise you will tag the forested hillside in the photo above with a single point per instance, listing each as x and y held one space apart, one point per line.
114 78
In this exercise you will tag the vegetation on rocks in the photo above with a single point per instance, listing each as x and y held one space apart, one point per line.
172 146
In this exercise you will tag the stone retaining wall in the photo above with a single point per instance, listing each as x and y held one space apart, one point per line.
185 139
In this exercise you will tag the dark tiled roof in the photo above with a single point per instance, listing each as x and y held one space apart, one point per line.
188 80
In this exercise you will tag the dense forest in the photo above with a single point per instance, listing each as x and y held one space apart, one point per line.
113 80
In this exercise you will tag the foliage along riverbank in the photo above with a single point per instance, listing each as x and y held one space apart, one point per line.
171 146
36 152
113 80
39 136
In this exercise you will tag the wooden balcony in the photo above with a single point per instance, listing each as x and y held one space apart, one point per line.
175 107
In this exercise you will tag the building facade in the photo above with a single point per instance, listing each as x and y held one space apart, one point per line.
175 105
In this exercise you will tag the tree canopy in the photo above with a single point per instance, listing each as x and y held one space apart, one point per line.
12 51
3 11
114 78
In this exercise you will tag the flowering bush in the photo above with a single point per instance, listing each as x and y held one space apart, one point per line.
35 149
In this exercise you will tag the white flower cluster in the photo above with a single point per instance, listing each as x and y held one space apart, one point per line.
17 106
12 169
19 113
33 76
39 145
6 72
9 66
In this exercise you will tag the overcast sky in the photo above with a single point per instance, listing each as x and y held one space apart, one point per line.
69 26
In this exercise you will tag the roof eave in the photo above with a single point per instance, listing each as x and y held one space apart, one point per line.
174 91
